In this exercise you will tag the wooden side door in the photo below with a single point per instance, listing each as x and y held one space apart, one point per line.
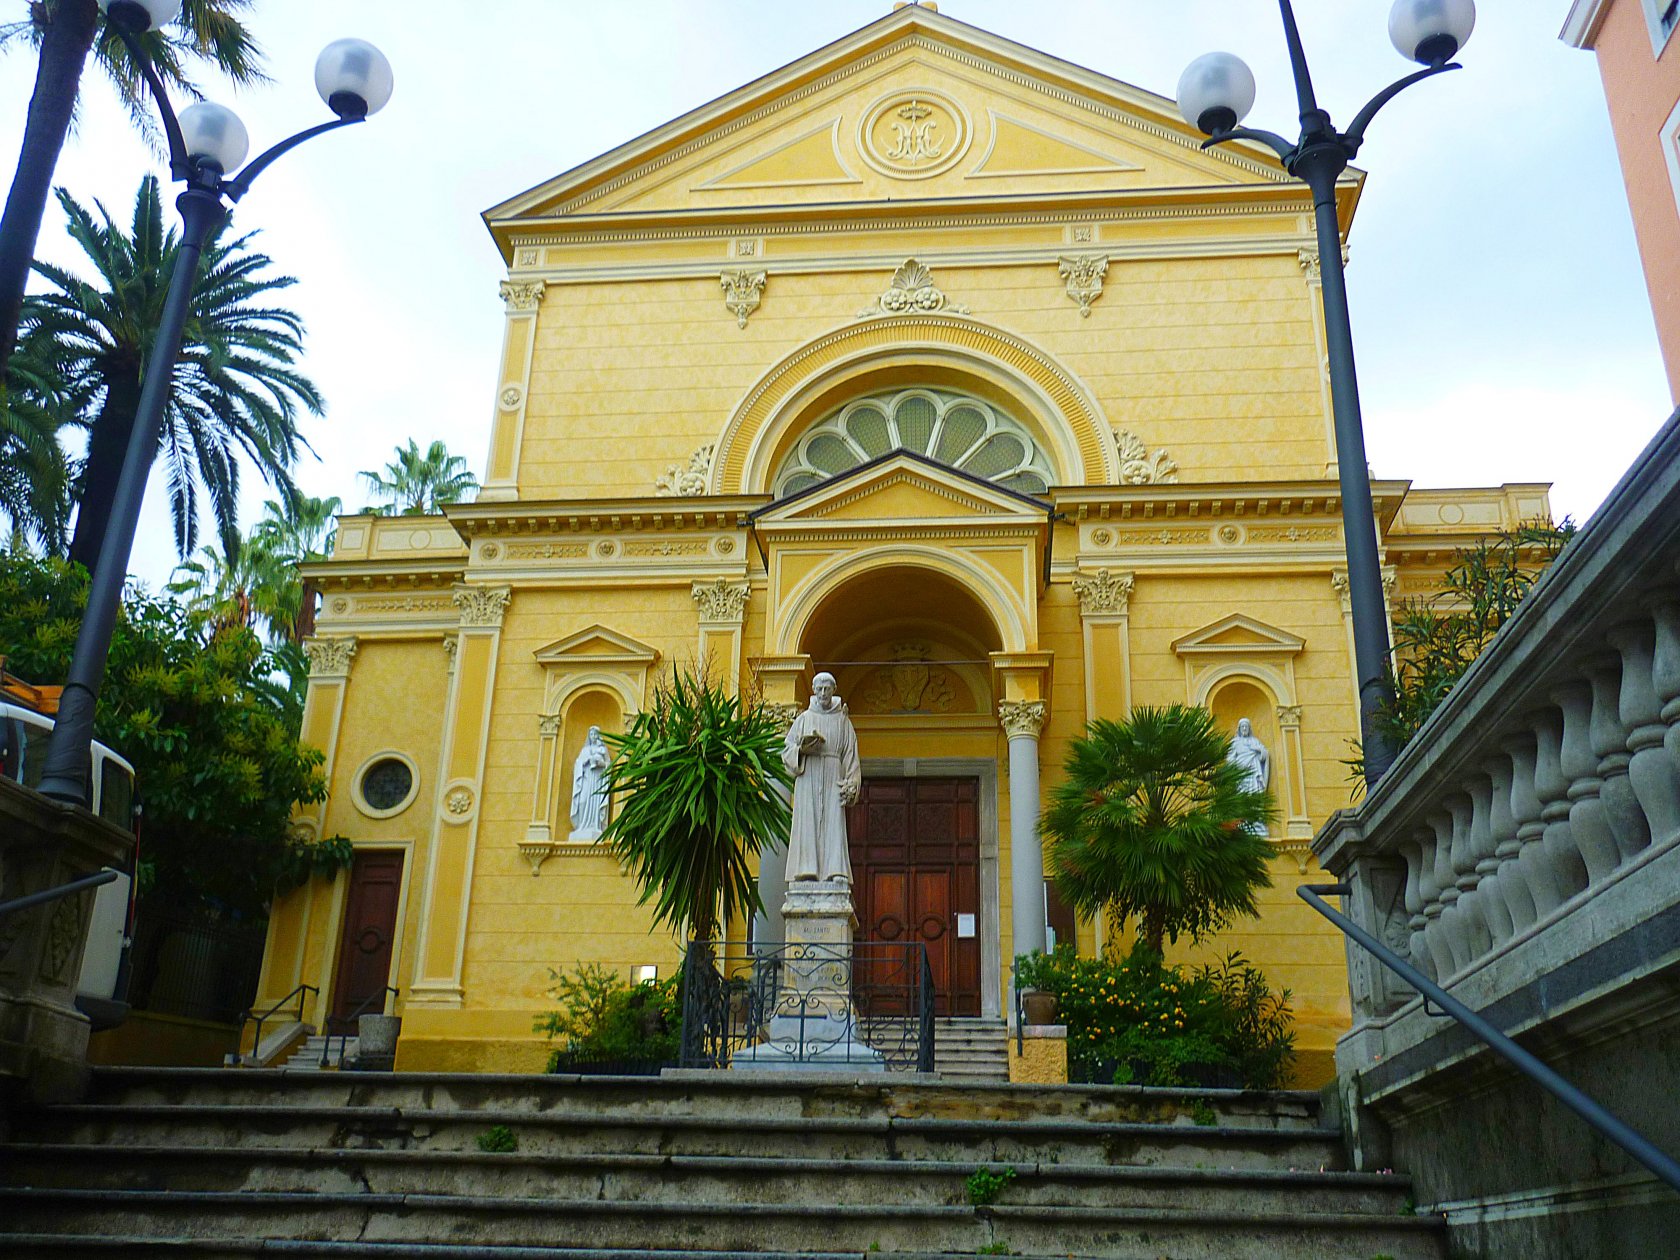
370 926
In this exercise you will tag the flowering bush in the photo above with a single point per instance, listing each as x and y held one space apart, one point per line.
1141 1021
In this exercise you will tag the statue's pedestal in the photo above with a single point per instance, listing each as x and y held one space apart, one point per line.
812 1026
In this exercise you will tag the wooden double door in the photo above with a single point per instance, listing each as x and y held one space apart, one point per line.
915 850
369 932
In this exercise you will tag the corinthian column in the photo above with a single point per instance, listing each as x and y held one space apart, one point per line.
1022 721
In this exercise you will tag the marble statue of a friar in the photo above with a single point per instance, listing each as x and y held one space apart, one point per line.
821 753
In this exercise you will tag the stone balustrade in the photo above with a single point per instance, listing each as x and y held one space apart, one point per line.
1524 850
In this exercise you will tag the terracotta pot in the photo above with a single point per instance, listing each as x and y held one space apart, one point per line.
1040 1006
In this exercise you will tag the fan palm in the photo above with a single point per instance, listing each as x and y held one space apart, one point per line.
299 528
240 588
419 483
234 390
62 33
698 774
1151 820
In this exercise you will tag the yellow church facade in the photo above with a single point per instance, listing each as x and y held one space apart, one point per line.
929 360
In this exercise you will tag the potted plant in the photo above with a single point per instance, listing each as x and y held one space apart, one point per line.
1038 1001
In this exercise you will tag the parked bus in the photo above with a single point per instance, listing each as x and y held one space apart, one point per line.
102 988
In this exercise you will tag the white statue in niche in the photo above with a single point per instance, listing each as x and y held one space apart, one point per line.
1248 752
821 753
590 801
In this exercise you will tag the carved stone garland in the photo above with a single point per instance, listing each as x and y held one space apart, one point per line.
912 291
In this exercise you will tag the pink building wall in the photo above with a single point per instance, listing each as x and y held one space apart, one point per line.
1643 92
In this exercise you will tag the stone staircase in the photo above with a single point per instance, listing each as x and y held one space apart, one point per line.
308 1056
971 1049
692 1166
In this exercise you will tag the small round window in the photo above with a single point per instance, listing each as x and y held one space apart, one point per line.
386 786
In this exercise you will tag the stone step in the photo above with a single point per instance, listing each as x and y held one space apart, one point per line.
310 1055
658 1178
1118 1233
967 1138
731 1095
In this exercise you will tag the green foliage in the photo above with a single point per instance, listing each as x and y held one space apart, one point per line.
603 1016
1152 1021
999 1248
419 483
1437 639
322 859
234 390
192 706
498 1139
697 775
1203 1114
1151 820
985 1185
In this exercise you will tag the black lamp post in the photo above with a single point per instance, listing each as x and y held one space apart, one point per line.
1217 90
205 142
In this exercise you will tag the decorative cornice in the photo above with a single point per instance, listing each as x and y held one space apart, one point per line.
1104 592
742 291
722 600
687 481
912 292
523 295
1084 275
330 657
1022 719
482 605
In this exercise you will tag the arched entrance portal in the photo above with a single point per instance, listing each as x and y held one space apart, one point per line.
911 649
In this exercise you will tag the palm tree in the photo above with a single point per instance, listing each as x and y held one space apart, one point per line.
240 588
234 388
419 483
1151 820
697 772
63 32
34 469
299 528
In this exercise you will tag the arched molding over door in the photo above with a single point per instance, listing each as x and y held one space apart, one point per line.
905 351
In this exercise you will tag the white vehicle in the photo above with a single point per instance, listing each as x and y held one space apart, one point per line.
102 989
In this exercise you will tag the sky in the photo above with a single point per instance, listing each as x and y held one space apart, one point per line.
1500 317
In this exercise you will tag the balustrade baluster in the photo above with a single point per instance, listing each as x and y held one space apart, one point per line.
1588 826
1490 905
1472 919
1418 860
1537 874
1439 879
1513 889
1665 672
1610 742
1639 707
1569 872
1454 939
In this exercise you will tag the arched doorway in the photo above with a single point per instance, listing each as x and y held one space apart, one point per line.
911 650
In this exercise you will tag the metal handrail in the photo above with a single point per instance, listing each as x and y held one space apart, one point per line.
349 1019
1630 1140
53 894
298 993
1020 1011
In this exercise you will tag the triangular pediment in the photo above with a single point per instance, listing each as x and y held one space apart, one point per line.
597 645
915 105
899 487
1239 635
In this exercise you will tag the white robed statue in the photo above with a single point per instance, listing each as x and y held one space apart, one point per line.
1248 752
821 753
589 788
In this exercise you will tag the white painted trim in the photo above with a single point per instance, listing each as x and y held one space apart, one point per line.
1653 21
1669 137
1580 28
362 803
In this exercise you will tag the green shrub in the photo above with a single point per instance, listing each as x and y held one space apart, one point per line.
498 1139
985 1185
602 1016
1140 1021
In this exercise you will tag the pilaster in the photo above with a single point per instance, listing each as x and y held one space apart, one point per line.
507 426
723 606
441 946
1104 600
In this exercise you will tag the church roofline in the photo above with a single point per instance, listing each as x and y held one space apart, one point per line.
906 21
1041 506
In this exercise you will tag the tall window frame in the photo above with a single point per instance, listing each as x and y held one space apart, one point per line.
1662 16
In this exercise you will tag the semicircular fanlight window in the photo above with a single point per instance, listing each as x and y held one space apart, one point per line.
954 429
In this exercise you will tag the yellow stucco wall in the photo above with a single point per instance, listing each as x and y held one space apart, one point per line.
481 644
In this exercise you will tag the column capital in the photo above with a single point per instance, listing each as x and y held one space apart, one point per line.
522 295
548 724
721 601
329 657
1289 715
1022 719
481 606
1339 584
1104 592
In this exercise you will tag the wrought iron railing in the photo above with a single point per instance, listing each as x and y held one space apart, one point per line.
301 993
868 1003
341 1026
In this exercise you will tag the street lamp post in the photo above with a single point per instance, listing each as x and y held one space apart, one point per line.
1216 92
206 142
